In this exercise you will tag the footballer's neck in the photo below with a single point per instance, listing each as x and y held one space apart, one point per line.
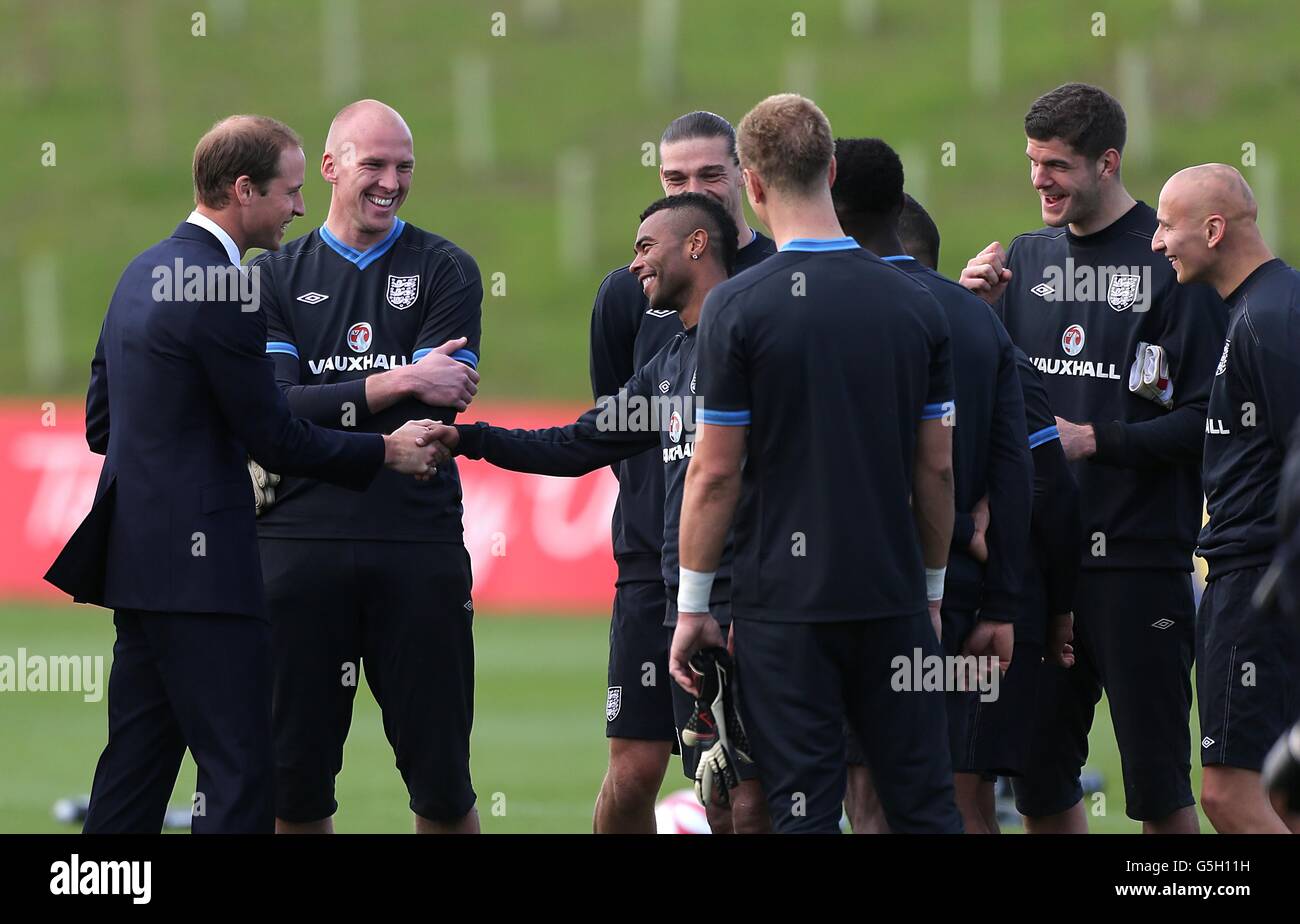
803 217
690 314
1115 204
745 235
349 233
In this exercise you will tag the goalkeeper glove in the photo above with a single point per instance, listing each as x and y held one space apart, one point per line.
264 483
716 729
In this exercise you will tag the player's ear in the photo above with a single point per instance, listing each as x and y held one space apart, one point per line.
1110 163
328 170
1214 228
830 173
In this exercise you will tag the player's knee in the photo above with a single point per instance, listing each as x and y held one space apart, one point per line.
635 776
749 813
1222 795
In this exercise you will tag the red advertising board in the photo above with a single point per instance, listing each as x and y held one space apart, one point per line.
537 543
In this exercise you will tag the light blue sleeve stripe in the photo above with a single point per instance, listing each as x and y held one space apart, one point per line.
724 418
463 356
282 346
932 411
1045 435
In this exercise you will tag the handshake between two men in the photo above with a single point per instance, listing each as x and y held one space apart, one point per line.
418 447
436 379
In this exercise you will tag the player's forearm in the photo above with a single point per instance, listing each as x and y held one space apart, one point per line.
566 452
338 406
708 506
932 511
1175 438
385 389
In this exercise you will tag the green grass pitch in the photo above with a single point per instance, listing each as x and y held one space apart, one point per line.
538 748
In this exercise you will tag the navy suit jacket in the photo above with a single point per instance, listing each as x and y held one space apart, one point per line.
181 393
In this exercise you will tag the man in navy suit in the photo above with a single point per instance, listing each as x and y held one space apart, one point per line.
181 394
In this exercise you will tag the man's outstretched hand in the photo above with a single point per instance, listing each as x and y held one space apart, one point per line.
413 450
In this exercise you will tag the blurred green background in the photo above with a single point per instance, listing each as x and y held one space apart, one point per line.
529 149
572 91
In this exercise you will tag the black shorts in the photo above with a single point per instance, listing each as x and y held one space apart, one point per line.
1133 636
999 734
638 701
803 680
402 612
1247 673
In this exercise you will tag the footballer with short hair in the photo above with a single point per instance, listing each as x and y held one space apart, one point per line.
685 245
991 462
1091 306
697 154
1206 228
814 450
371 320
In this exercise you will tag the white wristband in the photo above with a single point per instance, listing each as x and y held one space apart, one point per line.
693 590
934 583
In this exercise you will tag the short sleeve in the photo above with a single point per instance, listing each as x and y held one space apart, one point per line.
722 365
453 307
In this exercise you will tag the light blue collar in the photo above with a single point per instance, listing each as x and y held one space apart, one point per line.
898 258
818 244
363 258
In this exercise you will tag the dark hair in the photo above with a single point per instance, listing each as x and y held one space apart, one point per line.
868 178
919 233
1085 117
241 145
701 124
716 222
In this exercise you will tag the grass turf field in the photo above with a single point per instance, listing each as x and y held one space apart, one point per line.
538 746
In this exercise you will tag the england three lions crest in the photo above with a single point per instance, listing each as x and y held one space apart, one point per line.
1123 291
403 291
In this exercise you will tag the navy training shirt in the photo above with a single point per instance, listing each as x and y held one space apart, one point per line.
831 358
990 450
625 334
1078 307
336 315
1254 405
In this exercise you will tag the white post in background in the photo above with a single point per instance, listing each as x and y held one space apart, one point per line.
659 48
1188 12
143 78
228 16
1266 183
1134 86
41 316
575 208
986 47
916 172
800 75
860 15
542 14
340 51
472 99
